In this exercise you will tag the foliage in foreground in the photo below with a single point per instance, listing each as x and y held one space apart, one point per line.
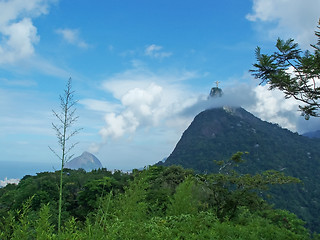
293 72
163 203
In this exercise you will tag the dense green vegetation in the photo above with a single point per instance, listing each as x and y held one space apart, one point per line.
155 203
216 134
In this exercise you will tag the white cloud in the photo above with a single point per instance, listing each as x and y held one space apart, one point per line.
72 36
99 106
11 10
145 106
154 51
21 37
147 100
287 19
118 125
17 31
272 106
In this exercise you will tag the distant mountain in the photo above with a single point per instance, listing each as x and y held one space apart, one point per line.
86 161
217 134
315 134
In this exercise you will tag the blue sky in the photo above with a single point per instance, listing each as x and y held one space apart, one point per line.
141 70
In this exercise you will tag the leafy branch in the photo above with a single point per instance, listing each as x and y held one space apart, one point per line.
292 71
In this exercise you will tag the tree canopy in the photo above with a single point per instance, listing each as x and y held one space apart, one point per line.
155 203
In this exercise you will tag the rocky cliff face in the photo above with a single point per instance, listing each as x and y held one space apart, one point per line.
86 161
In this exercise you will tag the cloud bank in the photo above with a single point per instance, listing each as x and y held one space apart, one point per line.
287 19
268 105
145 102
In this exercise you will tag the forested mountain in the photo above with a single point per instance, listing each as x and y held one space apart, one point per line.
216 134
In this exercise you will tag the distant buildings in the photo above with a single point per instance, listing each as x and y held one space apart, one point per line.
6 181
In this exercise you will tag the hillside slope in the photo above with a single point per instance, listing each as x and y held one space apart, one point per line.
218 133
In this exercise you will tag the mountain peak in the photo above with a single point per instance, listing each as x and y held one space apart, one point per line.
218 133
86 161
88 155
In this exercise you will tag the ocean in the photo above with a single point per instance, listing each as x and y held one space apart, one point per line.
18 170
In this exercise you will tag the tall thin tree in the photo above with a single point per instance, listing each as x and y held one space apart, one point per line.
66 118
